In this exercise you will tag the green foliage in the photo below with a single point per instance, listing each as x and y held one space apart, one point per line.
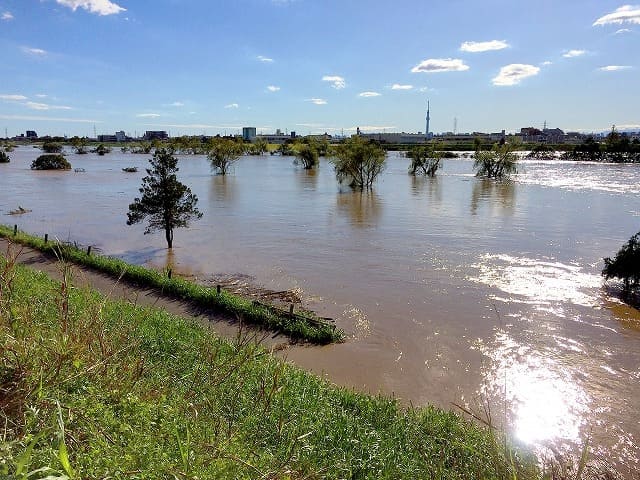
4 158
259 147
541 151
168 203
116 391
425 159
102 150
616 148
222 153
306 154
358 162
499 162
52 147
80 145
625 265
50 162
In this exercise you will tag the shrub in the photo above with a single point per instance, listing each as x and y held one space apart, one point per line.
4 158
358 162
625 265
50 162
52 147
499 162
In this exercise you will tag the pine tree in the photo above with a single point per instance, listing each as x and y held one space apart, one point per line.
167 202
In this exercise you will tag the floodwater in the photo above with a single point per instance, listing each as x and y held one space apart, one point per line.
452 289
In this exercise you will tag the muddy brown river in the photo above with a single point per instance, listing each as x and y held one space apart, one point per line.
452 289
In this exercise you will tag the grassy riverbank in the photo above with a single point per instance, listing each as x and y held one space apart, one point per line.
304 326
93 388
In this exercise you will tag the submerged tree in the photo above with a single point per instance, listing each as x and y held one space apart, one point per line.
4 158
166 201
50 161
425 159
306 154
222 153
625 265
499 162
358 162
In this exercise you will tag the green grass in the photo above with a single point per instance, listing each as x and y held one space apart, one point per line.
304 327
93 388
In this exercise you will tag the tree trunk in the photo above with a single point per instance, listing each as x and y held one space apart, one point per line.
168 233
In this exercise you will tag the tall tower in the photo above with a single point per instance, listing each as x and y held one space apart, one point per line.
428 119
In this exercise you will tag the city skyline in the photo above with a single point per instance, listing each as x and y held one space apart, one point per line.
196 67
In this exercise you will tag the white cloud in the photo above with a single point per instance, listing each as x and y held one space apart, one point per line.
6 16
624 14
176 104
477 47
101 7
41 95
34 51
12 97
440 65
264 59
514 73
232 105
45 106
547 63
337 81
317 101
574 53
397 86
623 30
147 115
273 88
369 94
614 68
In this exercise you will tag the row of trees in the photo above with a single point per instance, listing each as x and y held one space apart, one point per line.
616 148
169 204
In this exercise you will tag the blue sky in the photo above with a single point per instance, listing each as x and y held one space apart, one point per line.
313 66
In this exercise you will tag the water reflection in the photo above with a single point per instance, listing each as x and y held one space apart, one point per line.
499 194
363 208
431 185
543 398
223 188
308 179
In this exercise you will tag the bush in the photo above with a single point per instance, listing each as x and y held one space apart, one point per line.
4 158
499 162
625 265
50 162
52 147
358 162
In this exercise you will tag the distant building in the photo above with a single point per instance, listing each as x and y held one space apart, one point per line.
32 134
155 135
278 138
107 138
249 134
121 136
403 138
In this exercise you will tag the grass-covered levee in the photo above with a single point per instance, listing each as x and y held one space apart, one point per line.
95 388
